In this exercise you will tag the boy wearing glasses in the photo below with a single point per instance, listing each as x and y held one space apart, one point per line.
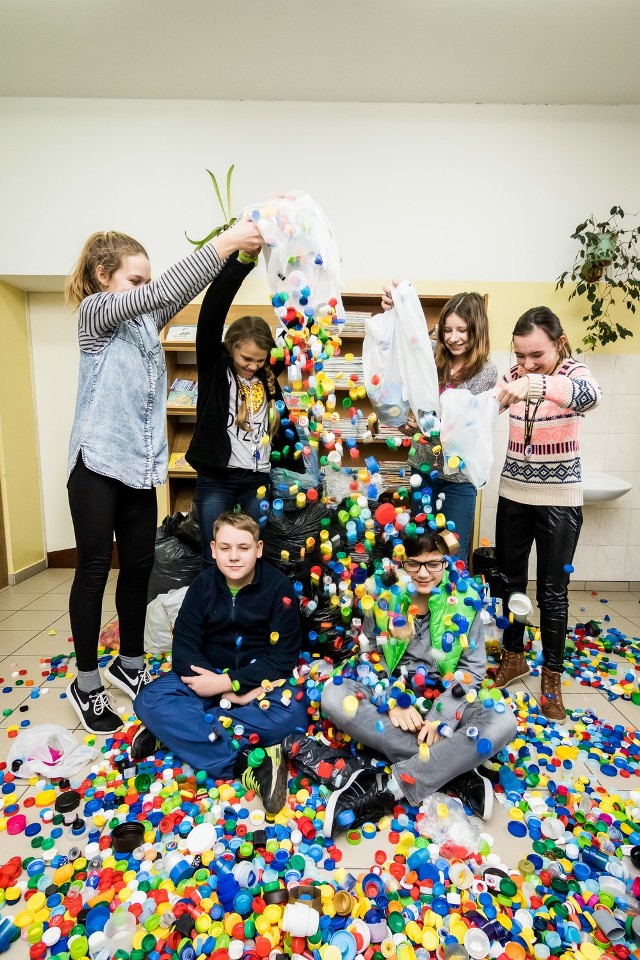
438 752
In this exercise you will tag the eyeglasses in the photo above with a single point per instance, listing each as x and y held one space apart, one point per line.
431 566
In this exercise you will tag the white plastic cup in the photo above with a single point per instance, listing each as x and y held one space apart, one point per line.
520 606
119 931
300 920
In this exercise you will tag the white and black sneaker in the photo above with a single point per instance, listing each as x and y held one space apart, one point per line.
364 797
129 683
94 709
475 792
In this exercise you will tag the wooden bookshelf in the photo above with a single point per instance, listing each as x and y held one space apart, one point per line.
181 363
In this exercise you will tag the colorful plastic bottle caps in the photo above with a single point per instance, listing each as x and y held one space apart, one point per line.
477 944
202 837
16 824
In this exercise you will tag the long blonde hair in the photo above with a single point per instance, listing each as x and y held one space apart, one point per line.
470 308
105 249
253 330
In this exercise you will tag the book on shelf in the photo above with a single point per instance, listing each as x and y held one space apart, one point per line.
183 393
181 333
177 462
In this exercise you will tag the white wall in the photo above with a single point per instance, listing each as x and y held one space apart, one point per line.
449 192
609 545
434 192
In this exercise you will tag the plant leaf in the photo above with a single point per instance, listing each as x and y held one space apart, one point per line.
229 175
217 189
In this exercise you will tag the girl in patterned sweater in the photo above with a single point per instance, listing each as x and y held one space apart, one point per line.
540 495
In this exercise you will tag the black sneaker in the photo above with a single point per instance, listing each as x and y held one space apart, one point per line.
94 709
363 797
264 770
144 743
476 793
129 683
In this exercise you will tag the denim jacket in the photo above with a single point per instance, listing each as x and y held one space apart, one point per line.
119 425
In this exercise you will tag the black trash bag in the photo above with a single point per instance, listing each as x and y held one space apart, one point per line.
485 563
188 529
325 632
176 563
332 766
289 532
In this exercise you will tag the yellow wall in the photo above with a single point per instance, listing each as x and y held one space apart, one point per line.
19 467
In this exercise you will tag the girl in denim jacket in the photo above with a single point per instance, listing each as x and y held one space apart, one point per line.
118 452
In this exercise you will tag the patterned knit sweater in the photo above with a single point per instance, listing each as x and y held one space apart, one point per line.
549 475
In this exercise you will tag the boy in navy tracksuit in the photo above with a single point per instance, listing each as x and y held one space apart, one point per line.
236 641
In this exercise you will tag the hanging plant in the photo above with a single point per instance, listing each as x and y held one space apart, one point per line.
226 211
606 272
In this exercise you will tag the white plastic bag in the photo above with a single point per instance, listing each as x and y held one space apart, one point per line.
466 431
49 751
415 357
161 616
303 263
399 367
381 369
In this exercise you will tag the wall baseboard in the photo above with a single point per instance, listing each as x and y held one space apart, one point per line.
67 558
27 572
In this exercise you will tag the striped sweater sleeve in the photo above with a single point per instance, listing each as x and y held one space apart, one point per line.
102 313
574 388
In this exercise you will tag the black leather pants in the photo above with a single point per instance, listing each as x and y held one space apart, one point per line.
555 531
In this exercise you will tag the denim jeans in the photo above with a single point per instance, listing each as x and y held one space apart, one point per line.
222 490
459 506
184 722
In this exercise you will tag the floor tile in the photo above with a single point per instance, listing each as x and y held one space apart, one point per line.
569 685
11 599
621 604
48 709
49 601
46 645
34 620
12 640
629 711
604 709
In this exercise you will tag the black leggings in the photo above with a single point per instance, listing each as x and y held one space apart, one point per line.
101 506
555 531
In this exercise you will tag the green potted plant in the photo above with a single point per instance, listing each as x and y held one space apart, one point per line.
606 271
226 211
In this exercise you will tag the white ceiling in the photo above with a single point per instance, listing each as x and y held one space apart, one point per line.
434 51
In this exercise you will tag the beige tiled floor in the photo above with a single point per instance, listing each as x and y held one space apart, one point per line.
33 610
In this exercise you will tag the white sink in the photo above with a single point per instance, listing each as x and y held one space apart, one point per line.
603 486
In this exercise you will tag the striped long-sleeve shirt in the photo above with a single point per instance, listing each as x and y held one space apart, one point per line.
547 472
101 314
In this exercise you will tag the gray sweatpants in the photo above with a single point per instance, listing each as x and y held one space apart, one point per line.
418 778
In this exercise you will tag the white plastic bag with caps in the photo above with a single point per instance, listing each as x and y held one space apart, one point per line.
398 363
415 357
49 751
381 369
160 619
303 263
467 422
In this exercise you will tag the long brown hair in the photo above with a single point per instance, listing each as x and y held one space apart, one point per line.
253 330
105 249
544 319
470 308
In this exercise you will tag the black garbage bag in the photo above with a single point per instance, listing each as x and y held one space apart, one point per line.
188 528
323 763
289 533
485 563
325 632
176 563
